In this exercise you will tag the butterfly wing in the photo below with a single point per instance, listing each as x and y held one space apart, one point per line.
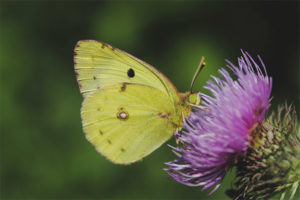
98 64
126 122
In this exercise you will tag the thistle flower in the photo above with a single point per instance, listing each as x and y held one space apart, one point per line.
217 135
272 164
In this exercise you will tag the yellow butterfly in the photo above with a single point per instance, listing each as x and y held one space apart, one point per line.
129 107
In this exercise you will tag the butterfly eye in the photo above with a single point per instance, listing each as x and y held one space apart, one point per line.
130 73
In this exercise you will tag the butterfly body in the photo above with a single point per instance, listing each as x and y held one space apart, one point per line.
129 108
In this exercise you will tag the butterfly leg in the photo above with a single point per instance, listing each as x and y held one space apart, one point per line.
183 117
177 130
177 139
199 107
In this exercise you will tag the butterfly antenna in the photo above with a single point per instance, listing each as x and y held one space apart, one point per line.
199 69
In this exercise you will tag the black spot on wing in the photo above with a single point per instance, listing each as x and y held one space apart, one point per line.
101 133
130 73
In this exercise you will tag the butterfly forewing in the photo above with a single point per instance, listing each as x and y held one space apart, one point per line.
98 64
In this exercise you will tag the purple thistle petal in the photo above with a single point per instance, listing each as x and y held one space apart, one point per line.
218 134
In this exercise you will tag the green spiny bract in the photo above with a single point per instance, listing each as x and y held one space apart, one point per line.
272 163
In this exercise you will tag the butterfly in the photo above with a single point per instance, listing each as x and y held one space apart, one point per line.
130 108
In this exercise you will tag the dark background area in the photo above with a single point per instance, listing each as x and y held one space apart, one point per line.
44 153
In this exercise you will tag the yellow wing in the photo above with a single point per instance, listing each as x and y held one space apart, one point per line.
98 64
126 122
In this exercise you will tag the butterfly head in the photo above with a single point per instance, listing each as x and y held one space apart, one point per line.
194 98
190 98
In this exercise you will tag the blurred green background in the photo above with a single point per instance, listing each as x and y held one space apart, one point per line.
44 153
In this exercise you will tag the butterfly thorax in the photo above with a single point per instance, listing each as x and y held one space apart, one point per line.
184 107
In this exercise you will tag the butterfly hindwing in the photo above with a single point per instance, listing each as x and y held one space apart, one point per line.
126 122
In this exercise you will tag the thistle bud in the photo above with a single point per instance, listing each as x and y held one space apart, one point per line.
272 163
